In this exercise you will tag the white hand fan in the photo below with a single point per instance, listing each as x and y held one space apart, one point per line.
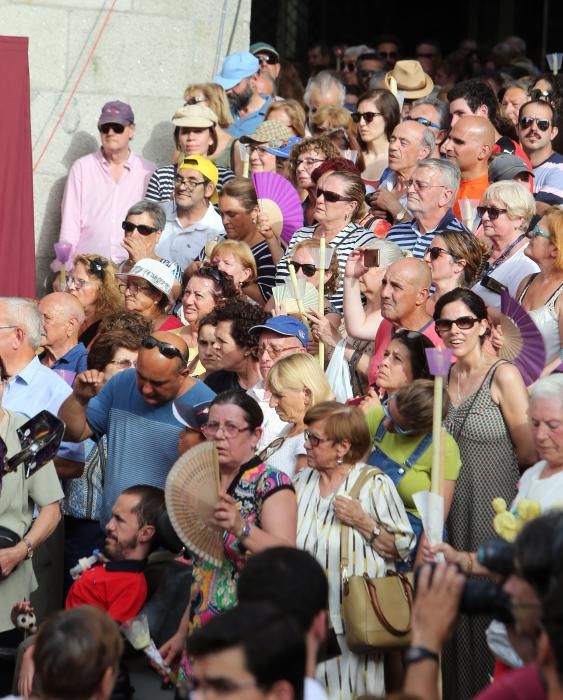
284 297
191 492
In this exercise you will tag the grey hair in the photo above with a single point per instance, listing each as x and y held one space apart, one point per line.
324 81
355 51
389 251
153 209
428 141
550 387
448 171
439 105
24 314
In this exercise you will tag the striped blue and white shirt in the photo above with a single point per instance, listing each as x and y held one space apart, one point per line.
408 237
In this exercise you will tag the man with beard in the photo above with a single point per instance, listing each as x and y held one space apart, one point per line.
238 77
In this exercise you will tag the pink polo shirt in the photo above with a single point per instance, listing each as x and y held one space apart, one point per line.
94 205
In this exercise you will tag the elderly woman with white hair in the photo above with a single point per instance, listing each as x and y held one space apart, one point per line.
507 207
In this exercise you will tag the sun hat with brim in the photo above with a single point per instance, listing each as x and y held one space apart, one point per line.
283 151
272 132
193 417
286 326
196 116
154 272
506 167
263 47
204 166
409 78
236 67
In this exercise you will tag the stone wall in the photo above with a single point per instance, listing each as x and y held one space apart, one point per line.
140 51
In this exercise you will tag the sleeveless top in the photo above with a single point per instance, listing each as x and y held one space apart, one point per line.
547 321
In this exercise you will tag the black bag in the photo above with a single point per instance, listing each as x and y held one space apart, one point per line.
8 538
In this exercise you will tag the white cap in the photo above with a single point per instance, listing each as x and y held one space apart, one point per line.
154 272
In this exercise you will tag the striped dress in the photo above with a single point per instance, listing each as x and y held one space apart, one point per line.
318 532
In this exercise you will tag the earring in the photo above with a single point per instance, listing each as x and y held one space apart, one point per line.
339 461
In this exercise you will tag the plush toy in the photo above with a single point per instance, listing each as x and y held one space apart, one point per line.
507 524
27 622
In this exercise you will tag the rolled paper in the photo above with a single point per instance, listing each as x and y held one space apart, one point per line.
245 164
298 298
439 361
322 265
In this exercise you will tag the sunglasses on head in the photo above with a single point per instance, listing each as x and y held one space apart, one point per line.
308 268
166 349
434 252
464 323
267 58
537 94
116 128
422 120
368 117
493 212
332 196
129 227
542 124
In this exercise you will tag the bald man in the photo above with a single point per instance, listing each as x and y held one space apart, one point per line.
134 411
61 317
470 145
404 292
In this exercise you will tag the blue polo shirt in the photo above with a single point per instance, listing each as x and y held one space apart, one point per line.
408 237
75 360
248 125
142 439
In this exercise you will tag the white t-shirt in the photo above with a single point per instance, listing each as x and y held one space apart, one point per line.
510 273
285 457
314 690
549 492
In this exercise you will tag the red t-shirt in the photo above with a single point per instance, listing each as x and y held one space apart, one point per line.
118 587
520 684
171 323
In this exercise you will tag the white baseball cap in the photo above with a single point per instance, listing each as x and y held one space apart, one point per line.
154 272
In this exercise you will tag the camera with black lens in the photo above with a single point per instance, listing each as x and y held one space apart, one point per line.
483 597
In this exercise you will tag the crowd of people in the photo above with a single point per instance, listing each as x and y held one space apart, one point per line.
431 192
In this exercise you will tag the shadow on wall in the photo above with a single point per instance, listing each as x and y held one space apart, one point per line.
159 147
80 145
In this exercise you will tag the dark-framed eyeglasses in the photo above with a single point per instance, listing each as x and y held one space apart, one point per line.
129 227
368 117
435 251
493 212
116 128
308 268
268 58
332 196
422 120
464 323
526 123
187 182
314 440
166 349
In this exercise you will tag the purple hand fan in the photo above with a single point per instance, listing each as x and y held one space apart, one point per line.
279 200
523 343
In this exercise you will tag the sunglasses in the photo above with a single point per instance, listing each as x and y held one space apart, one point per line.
434 252
129 227
542 124
332 196
116 128
464 323
368 117
493 212
350 66
537 94
194 101
308 268
537 231
365 73
396 427
166 349
267 58
422 120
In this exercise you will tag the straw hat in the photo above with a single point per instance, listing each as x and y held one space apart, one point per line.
410 79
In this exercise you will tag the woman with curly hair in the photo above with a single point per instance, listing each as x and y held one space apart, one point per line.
95 285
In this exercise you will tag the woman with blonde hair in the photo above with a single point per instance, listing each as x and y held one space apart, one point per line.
288 112
296 383
236 259
214 96
541 293
330 117
94 283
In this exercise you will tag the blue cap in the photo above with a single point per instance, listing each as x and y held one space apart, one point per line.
236 67
192 417
286 326
283 151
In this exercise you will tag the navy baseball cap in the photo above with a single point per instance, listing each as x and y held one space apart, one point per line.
193 417
286 326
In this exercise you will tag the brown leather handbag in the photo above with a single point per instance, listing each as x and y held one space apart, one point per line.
376 612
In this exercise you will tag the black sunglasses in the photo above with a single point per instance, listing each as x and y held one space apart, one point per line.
166 349
368 117
267 58
350 66
493 212
464 323
308 268
423 121
434 252
537 94
365 73
116 128
332 196
542 124
129 227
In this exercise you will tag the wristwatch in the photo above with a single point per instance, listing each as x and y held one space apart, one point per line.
29 548
416 654
374 533
244 533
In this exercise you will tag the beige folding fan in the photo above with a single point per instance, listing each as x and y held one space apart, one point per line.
284 297
191 492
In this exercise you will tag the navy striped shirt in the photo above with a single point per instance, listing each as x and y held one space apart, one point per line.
408 237
161 184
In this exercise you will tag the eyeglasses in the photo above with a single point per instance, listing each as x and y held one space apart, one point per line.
133 288
349 66
144 230
332 196
493 212
273 351
76 283
166 349
251 148
314 440
396 427
116 128
194 101
537 231
230 430
526 123
464 323
422 120
368 117
542 95
189 183
365 73
308 268
434 252
309 162
3 327
267 58
124 364
418 185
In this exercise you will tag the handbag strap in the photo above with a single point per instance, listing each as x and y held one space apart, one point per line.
364 476
407 589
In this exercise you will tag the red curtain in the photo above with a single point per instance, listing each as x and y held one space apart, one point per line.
17 241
